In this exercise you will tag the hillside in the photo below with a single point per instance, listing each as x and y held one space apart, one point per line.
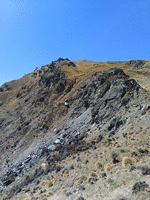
76 130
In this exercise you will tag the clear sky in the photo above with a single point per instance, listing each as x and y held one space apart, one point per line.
35 32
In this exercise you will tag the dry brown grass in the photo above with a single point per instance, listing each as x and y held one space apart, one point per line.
107 167
128 160
104 151
47 194
98 165
136 132
93 174
47 183
83 177
144 132
66 173
118 145
85 68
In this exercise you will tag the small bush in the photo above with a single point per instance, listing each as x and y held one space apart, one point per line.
83 177
98 164
107 167
34 198
47 183
66 173
93 174
132 137
128 160
47 194
118 145
62 187
104 151
143 132
136 132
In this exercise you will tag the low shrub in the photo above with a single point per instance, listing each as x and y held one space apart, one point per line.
98 165
66 173
104 151
93 174
83 177
118 145
47 183
128 160
107 167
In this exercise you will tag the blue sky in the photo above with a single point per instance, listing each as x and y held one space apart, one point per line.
35 32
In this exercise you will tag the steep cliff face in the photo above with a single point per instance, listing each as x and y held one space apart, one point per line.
65 108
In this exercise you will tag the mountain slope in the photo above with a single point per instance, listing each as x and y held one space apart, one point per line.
70 113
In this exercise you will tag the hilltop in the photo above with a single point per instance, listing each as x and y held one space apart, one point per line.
76 130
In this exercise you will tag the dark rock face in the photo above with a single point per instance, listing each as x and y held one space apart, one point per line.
1 89
80 198
145 170
7 180
71 64
114 157
123 198
103 175
53 74
105 95
139 186
143 150
4 87
136 64
81 187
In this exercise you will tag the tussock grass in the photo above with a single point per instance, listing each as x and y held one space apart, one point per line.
107 167
93 174
128 160
118 145
83 177
47 194
104 151
47 183
98 165
66 173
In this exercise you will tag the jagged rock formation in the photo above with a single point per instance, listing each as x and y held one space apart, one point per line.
50 114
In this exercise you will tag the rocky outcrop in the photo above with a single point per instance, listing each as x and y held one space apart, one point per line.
136 64
4 87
